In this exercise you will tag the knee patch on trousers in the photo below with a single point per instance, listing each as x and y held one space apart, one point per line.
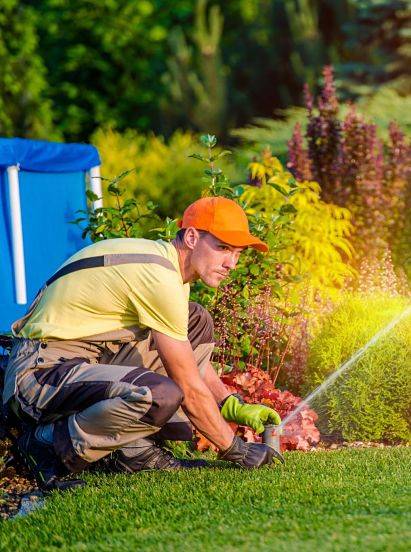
166 395
200 325
166 399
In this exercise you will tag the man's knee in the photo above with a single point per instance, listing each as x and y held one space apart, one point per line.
166 396
200 325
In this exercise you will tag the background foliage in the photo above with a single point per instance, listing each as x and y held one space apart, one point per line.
152 65
317 244
356 169
163 171
105 59
24 107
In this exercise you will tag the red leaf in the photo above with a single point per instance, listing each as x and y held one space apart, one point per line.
255 386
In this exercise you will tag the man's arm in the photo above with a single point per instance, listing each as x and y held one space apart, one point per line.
199 402
215 385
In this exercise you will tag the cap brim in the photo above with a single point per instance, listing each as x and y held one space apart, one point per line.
241 239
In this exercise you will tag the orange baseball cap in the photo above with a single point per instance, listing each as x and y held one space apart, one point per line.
223 218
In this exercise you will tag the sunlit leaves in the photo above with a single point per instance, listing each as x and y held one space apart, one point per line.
256 386
314 235
217 184
127 219
208 140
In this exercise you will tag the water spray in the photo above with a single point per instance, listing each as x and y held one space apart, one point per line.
272 434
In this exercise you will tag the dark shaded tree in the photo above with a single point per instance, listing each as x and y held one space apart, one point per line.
378 47
105 60
196 75
24 108
273 47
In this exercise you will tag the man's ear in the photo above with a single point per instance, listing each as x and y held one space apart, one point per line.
191 237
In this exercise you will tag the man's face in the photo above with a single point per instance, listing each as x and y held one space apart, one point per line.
212 259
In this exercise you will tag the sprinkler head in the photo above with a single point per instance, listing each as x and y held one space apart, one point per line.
271 437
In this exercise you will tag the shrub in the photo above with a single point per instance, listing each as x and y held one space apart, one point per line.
300 330
246 319
372 399
125 219
163 172
378 275
255 386
258 311
355 168
317 244
359 156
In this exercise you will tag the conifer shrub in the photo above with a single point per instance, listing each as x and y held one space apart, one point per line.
371 400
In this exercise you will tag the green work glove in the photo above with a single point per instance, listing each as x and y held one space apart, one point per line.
234 409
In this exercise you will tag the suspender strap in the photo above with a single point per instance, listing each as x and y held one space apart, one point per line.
110 260
91 262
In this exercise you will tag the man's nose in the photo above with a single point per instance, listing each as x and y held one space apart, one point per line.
231 261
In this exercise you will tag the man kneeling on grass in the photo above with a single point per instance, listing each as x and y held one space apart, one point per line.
111 349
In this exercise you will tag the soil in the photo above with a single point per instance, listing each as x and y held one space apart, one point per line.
13 488
15 482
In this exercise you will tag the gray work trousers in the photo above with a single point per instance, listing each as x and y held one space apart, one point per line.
104 395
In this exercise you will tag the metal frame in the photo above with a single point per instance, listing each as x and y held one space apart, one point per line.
19 268
95 186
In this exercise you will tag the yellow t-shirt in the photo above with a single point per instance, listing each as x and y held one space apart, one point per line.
105 299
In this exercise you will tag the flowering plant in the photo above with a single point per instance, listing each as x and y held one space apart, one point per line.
256 386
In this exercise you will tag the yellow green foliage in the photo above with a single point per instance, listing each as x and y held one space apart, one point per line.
163 173
318 245
371 400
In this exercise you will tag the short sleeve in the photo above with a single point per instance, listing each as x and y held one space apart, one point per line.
161 303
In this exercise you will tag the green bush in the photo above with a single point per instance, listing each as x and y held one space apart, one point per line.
163 171
372 399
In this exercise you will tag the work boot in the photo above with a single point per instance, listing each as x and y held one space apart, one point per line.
41 460
150 458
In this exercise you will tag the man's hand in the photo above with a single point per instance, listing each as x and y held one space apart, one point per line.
252 415
199 404
250 455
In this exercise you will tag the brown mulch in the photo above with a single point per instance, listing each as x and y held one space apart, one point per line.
15 482
330 446
13 487
330 442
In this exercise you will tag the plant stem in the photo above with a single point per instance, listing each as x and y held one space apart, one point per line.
121 217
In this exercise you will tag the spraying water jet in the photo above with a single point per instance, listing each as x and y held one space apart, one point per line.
272 435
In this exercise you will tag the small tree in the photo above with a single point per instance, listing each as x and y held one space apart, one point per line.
196 76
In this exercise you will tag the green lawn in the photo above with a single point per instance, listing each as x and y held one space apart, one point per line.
342 500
